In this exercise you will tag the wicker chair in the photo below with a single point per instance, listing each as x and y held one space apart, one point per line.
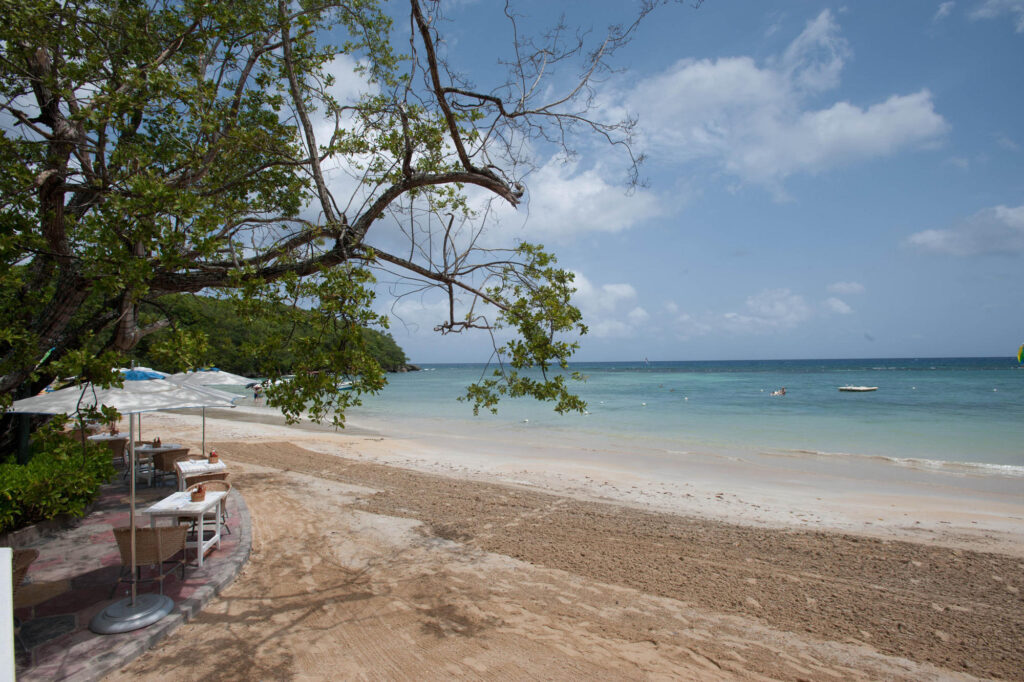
205 478
28 595
77 435
139 444
215 484
119 449
163 462
153 547
143 465
143 461
21 560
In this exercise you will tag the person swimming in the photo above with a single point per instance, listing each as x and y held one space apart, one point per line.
781 391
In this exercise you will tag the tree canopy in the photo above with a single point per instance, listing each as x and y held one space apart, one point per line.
159 147
222 338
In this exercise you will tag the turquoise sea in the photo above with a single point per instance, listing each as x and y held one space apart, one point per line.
930 411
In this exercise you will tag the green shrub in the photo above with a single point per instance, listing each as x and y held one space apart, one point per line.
59 479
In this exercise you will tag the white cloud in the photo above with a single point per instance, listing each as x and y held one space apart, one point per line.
417 313
778 307
564 201
819 140
846 288
838 305
993 9
814 60
604 298
1007 142
992 230
349 85
769 310
638 315
687 326
944 11
753 121
610 329
341 174
609 310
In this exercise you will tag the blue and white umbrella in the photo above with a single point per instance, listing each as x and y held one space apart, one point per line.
141 374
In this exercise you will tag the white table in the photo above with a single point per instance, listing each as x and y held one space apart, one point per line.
191 467
180 504
151 449
108 436
111 442
144 457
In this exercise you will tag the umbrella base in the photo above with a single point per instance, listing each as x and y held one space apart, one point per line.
123 616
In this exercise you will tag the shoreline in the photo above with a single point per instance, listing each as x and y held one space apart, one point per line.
377 556
869 496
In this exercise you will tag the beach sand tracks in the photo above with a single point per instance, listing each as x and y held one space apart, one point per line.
838 587
423 607
348 580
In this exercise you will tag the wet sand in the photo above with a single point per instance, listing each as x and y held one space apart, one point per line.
363 569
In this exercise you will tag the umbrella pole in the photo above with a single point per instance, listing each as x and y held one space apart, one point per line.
203 451
138 611
131 493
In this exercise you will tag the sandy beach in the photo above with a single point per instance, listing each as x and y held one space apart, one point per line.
386 558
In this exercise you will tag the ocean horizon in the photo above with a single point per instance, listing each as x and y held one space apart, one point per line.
964 415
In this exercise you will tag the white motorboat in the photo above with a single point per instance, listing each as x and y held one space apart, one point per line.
858 389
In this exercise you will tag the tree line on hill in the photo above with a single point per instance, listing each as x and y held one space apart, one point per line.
221 337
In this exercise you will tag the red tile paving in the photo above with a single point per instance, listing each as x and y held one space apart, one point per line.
76 571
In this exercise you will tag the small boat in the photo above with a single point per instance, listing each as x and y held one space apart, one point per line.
858 389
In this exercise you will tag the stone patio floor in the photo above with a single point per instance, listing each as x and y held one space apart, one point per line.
77 568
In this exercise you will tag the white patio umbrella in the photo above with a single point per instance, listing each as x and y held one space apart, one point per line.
133 399
144 370
210 377
197 382
141 374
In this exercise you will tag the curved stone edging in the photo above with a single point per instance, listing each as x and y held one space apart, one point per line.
126 647
192 606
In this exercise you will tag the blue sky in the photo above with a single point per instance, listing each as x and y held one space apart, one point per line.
823 180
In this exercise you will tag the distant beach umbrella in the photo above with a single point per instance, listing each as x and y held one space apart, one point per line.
146 370
203 380
209 377
139 374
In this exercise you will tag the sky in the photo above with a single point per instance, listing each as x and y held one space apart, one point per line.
823 180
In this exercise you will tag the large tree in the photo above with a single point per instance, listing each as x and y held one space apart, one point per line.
184 146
